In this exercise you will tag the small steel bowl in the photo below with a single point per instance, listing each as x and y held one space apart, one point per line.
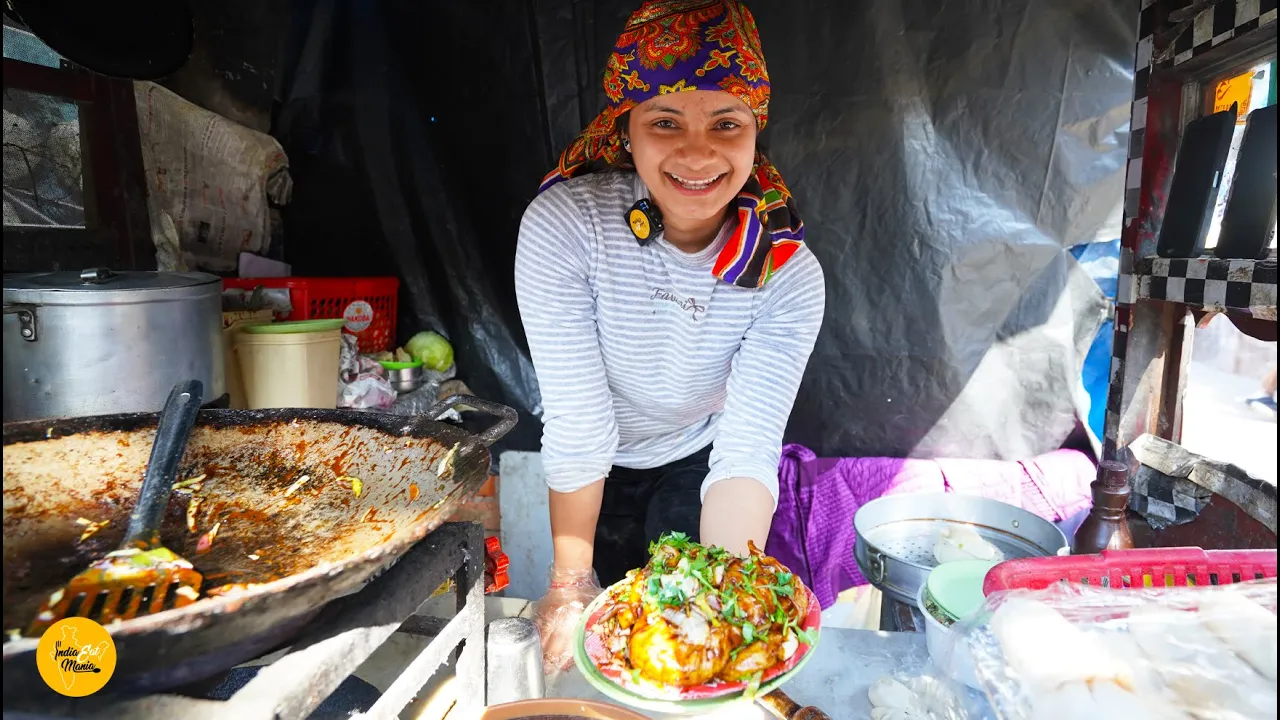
405 380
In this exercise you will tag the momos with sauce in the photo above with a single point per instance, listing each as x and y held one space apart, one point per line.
696 615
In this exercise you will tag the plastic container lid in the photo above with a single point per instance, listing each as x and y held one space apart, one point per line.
296 326
956 587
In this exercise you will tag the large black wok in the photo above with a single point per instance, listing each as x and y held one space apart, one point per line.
317 544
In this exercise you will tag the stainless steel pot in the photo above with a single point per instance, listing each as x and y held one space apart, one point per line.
896 534
99 342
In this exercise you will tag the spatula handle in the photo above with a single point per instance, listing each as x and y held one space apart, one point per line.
783 707
176 421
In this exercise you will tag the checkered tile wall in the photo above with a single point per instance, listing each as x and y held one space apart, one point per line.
1247 286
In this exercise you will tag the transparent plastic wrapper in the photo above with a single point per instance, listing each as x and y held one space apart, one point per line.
558 612
362 382
1076 651
367 392
925 696
348 358
418 401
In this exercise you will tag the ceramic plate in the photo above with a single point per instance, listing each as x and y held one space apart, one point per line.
590 652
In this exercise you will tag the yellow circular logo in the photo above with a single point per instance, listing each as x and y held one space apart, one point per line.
76 657
639 223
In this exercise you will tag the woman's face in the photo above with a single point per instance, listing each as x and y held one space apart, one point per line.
694 150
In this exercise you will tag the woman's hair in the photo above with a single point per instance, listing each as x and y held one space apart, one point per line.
624 161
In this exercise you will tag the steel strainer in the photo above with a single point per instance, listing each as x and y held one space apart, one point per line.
896 535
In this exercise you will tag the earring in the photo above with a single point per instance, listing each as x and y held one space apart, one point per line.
626 144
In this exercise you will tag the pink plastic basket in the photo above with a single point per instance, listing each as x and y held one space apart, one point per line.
1162 567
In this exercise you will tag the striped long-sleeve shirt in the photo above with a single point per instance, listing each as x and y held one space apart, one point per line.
643 356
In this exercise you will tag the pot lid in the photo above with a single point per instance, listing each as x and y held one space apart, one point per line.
97 284
103 279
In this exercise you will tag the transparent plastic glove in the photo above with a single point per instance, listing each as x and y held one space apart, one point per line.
557 613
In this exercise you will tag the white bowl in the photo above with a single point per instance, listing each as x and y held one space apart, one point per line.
952 658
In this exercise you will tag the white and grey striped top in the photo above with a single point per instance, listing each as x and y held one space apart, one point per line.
643 356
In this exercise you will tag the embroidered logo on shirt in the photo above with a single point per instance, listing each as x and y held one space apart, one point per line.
689 305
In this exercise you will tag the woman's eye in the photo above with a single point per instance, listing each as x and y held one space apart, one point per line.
728 125
664 124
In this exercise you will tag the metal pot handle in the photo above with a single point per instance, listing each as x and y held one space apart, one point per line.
95 276
875 563
26 319
506 416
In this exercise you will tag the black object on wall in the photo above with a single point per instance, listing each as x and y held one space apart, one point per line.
944 155
137 40
1197 177
1249 219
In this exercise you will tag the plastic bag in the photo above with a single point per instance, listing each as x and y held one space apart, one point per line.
1075 651
367 392
418 401
362 381
558 612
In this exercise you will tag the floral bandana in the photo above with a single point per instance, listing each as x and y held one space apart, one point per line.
671 46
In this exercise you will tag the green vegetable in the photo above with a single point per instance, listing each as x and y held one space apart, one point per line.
433 350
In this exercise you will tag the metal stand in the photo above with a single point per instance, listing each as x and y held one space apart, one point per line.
344 636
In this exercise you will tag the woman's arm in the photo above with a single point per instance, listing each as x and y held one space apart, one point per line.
741 491
573 525
735 510
554 263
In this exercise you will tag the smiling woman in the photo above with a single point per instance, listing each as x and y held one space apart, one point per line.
694 151
670 306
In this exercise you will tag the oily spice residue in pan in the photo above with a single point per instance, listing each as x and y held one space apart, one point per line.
261 535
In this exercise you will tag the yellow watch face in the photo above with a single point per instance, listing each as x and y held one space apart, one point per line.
639 223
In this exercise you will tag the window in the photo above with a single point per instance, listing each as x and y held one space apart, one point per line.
1251 89
43 178
1229 407
73 187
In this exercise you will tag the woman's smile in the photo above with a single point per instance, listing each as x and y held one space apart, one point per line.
695 187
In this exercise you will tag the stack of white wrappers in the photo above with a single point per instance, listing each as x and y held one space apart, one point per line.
1084 653
1173 653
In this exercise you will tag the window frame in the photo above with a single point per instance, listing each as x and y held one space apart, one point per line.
117 230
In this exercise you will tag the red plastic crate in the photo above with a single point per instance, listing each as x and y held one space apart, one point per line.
374 324
1160 567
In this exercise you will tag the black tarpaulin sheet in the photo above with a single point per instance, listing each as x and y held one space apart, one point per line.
944 156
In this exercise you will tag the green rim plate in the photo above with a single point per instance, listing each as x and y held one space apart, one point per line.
956 587
295 326
615 692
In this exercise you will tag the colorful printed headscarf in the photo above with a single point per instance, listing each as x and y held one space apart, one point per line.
671 46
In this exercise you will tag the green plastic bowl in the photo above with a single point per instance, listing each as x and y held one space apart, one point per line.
392 365
295 326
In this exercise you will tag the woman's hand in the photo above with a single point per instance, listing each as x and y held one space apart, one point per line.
557 614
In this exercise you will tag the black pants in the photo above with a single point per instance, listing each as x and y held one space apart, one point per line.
641 505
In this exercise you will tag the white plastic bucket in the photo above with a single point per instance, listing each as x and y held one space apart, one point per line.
290 370
949 654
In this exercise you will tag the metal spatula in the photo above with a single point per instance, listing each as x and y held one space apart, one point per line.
142 576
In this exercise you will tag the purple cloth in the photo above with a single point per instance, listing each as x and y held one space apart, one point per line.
813 526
